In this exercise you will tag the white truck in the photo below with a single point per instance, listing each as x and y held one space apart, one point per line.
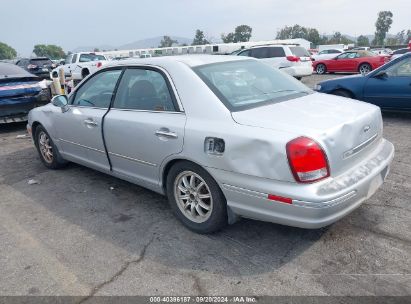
79 65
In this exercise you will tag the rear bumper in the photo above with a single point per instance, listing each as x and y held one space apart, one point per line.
20 107
313 205
299 70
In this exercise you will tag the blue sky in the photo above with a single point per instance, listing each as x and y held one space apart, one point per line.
73 23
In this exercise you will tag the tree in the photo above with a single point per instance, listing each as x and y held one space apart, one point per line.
363 41
167 42
7 52
229 38
199 38
382 26
52 51
338 38
298 31
242 33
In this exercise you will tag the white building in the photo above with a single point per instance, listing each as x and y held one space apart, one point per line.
215 48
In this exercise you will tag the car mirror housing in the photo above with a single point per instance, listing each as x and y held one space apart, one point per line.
60 101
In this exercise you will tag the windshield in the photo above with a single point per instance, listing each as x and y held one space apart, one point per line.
245 84
91 57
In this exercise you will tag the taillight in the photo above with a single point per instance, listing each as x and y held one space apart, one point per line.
293 58
307 160
99 64
32 66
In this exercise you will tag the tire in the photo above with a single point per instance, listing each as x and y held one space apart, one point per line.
85 73
321 69
47 150
343 93
202 215
364 68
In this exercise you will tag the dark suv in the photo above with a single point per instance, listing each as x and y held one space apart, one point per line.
40 66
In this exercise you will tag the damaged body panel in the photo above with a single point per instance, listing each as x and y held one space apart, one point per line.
20 92
278 151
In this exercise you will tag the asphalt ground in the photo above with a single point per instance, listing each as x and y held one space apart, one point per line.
81 232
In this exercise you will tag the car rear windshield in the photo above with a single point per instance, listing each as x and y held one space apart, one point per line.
299 51
12 70
246 84
41 61
91 57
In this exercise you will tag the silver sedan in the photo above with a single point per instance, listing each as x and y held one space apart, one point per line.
223 137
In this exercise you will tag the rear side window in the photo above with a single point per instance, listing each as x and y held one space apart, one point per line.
299 51
275 52
259 52
144 89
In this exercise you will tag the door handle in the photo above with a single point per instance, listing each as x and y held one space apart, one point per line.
90 122
164 132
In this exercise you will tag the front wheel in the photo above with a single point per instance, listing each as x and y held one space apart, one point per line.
196 198
48 152
364 68
321 69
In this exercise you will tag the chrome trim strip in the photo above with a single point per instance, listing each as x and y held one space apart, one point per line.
361 146
83 146
297 203
133 159
326 204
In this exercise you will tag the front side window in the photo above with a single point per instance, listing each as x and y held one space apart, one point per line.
246 84
400 69
342 56
74 58
144 89
98 90
244 53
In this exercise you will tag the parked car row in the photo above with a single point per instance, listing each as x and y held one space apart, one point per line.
291 59
388 87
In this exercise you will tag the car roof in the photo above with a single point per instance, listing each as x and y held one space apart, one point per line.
190 60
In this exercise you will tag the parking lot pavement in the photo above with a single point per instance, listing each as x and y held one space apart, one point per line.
81 232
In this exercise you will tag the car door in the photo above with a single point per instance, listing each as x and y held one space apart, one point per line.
341 63
79 129
144 126
392 90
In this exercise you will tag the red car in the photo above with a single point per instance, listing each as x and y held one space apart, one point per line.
351 61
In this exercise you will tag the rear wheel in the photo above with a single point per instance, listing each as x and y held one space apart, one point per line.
364 68
196 198
85 73
321 69
48 152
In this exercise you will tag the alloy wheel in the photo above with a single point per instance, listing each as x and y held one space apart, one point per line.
46 149
193 196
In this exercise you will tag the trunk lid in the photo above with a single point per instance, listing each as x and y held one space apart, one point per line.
346 129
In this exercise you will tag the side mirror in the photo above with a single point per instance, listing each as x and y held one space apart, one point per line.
60 101
381 74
